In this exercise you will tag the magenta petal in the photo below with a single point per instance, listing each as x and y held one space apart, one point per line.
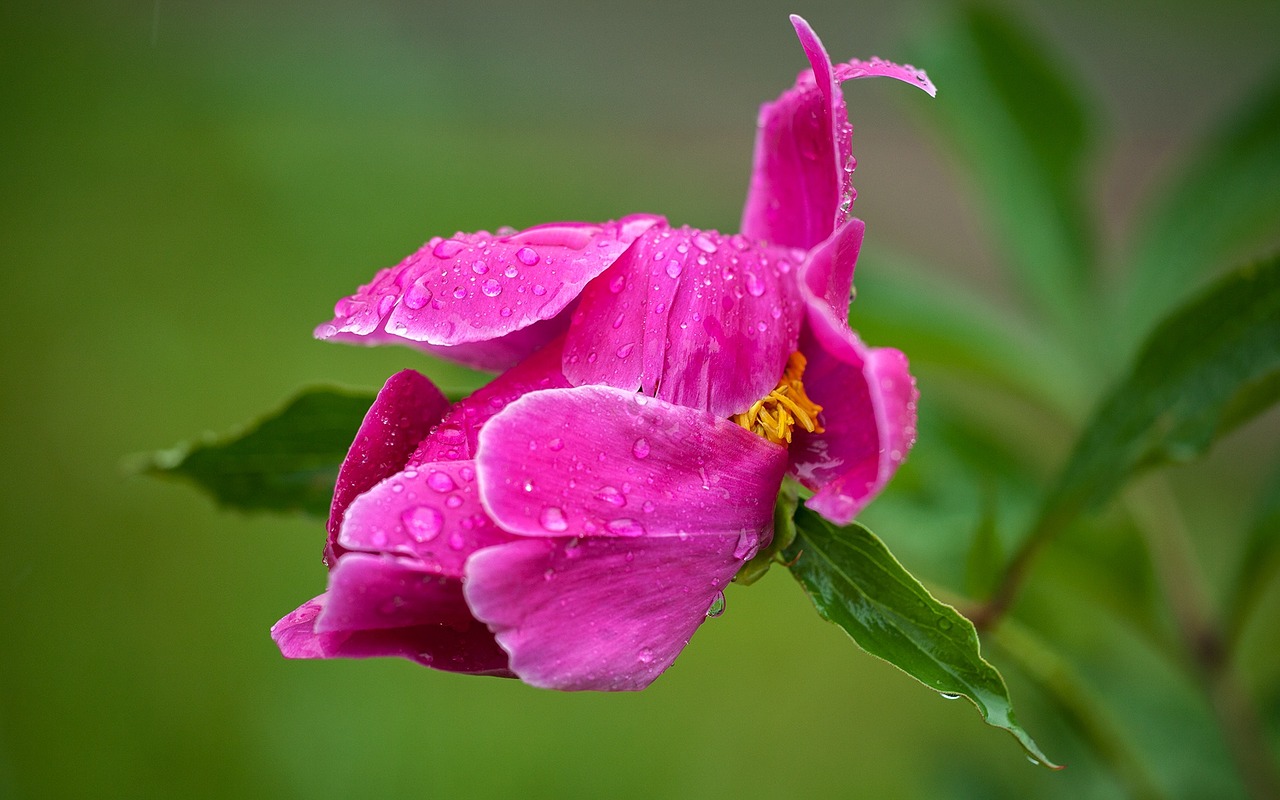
827 273
598 461
476 287
802 175
504 352
406 408
869 416
431 512
693 317
455 437
370 592
470 648
598 614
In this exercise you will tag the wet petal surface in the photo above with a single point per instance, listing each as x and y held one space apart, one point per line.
597 461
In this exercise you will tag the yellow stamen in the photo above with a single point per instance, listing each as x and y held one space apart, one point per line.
774 415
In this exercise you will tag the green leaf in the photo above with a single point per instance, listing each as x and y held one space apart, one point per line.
1228 198
287 462
1258 562
1205 370
986 554
855 582
1023 132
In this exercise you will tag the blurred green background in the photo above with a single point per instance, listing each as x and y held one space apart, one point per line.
188 187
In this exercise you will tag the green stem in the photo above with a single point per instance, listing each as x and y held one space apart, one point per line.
1204 642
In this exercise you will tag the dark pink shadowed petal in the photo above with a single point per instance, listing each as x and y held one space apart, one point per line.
598 461
406 408
431 512
802 176
693 317
869 415
598 614
476 287
468 648
504 352
456 435
370 592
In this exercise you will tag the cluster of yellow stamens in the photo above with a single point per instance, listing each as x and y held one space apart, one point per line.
774 415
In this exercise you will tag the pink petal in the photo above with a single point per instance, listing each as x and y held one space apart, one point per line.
370 592
869 416
406 408
802 177
598 461
598 614
470 649
476 287
504 352
431 512
827 273
456 435
693 317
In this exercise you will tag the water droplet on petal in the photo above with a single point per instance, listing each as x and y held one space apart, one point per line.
611 495
456 542
454 501
441 482
755 286
704 244
552 518
539 289
448 248
555 445
491 288
511 271
746 547
641 448
625 350
674 268
617 323
618 283
422 522
645 656
528 256
717 605
624 526
418 295
479 267
459 293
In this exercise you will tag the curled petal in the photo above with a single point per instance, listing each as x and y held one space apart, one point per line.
802 177
869 416
431 512
598 614
827 273
478 287
406 408
470 649
598 461
371 592
692 317
456 436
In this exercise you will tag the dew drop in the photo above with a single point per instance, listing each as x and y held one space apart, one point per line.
417 296
422 522
555 445
539 289
674 268
625 350
704 244
618 283
641 448
453 501
611 495
456 542
491 288
528 256
617 323
448 248
459 293
552 518
755 286
949 695
717 605
479 267
511 271
944 624
441 482
624 526
645 656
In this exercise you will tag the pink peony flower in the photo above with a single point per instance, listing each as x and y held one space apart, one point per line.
572 522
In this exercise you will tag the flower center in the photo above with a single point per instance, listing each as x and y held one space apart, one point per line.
774 415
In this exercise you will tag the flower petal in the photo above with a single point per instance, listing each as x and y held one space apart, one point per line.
869 416
827 273
693 317
406 408
470 649
431 512
598 614
598 461
477 287
456 435
371 592
802 177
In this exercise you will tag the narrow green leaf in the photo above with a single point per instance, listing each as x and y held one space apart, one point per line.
287 462
1023 131
855 582
1205 370
1227 198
